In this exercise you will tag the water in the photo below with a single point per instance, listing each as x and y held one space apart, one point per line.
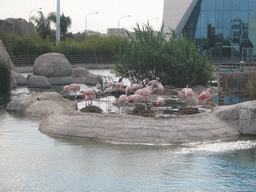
33 161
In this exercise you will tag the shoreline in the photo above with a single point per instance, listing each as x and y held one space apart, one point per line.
29 69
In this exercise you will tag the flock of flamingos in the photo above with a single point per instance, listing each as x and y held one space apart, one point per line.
135 93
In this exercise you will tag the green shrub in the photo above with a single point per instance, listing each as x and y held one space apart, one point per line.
5 77
148 55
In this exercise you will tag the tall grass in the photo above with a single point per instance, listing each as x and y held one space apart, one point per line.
150 54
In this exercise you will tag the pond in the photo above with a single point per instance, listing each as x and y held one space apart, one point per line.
33 161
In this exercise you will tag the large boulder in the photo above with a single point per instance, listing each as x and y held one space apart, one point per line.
20 79
52 65
241 116
81 75
60 80
18 26
35 81
16 78
4 56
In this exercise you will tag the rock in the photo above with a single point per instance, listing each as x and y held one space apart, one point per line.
13 83
35 81
4 56
62 118
91 109
18 26
81 75
17 104
79 72
241 116
187 111
60 80
20 79
52 65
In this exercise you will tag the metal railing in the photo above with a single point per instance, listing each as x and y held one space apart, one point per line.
28 60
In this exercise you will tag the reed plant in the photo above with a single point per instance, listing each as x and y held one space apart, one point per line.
175 60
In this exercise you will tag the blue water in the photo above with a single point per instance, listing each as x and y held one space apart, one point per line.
33 161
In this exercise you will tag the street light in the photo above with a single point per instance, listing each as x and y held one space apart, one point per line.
119 23
32 11
86 22
152 19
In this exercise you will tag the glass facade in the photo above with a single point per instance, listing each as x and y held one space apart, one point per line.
225 27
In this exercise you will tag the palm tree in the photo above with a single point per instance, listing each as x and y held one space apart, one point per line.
65 23
42 25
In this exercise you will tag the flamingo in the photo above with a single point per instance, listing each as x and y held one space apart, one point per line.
110 82
160 101
72 87
88 92
160 87
189 92
153 82
89 97
184 89
136 87
205 96
128 89
134 99
98 86
122 99
145 92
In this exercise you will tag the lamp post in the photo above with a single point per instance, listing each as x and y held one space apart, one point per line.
119 23
32 11
152 19
86 22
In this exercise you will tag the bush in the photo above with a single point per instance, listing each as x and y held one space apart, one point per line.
5 77
148 55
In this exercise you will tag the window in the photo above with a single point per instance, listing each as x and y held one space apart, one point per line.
219 5
235 5
219 19
227 4
244 5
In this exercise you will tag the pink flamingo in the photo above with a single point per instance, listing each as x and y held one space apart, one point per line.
110 82
121 84
98 86
122 99
88 92
184 89
205 96
160 87
128 89
89 97
136 87
72 87
160 101
153 82
134 99
145 92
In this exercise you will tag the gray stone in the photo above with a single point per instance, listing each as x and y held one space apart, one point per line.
35 81
83 76
52 65
13 83
16 104
60 80
18 26
79 72
20 79
4 56
241 116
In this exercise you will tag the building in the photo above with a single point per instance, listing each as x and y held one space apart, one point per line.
116 31
225 27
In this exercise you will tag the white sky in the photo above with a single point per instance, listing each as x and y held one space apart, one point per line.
109 12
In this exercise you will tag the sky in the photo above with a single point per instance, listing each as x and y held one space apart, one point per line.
110 12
